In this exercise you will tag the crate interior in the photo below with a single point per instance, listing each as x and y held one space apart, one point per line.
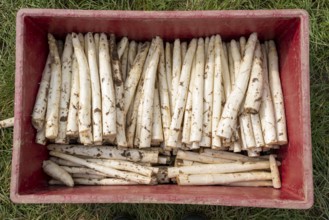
285 31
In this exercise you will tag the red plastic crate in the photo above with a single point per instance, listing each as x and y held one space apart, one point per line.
290 30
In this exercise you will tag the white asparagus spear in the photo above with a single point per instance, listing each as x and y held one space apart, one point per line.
242 45
82 170
93 180
217 93
183 48
107 152
257 130
107 90
277 95
226 71
141 88
219 168
89 179
106 170
52 116
236 56
84 114
222 90
182 90
56 172
168 59
139 121
186 133
221 179
157 131
132 52
197 94
65 90
40 106
119 94
245 123
208 95
95 91
275 173
164 95
134 75
227 123
229 156
187 155
72 129
124 165
243 138
231 65
132 119
148 88
40 137
256 82
124 63
102 182
266 111
176 71
234 156
96 39
123 43
7 123
62 162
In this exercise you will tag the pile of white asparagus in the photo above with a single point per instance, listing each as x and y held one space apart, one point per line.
205 95
103 165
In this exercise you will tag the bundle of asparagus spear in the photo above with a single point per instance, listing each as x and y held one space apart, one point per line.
186 96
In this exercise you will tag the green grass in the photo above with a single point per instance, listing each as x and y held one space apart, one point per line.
319 56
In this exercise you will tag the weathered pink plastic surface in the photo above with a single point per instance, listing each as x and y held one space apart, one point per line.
290 30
